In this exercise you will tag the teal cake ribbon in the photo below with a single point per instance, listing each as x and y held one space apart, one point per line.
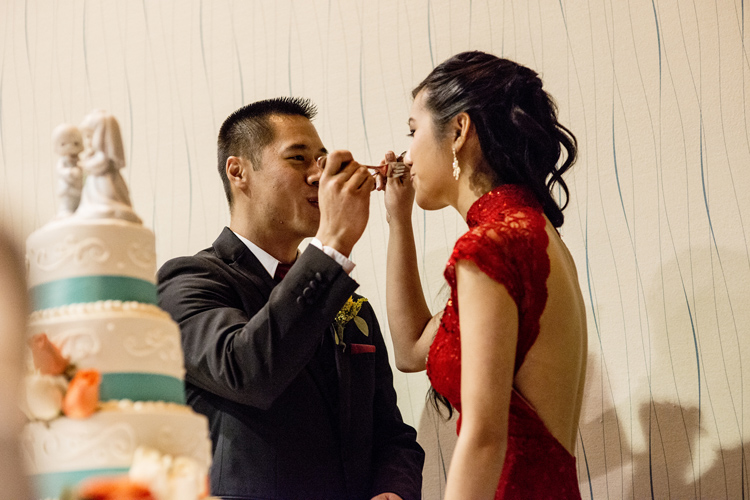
133 386
142 387
54 484
92 289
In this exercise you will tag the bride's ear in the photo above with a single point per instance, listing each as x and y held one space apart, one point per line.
461 125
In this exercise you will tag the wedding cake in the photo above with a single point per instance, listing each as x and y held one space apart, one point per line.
105 390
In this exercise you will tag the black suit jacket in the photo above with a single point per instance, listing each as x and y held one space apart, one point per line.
292 415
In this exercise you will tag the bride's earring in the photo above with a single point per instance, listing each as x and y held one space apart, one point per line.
456 168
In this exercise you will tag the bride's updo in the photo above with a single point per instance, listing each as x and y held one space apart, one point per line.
515 120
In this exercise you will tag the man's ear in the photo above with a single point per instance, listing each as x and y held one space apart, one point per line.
237 170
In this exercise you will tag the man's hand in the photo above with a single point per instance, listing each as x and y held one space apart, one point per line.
387 496
344 200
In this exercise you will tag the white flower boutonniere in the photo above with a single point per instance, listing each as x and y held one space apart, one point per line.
348 313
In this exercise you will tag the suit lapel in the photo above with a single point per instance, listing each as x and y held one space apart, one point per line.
231 250
235 253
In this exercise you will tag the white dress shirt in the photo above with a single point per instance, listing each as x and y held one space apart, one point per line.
270 262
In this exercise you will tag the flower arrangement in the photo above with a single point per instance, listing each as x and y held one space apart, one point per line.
56 386
106 488
152 476
349 312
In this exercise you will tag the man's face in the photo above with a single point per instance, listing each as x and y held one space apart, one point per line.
284 192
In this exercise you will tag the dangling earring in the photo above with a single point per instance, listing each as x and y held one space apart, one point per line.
456 168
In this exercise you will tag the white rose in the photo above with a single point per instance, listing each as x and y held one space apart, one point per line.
187 479
151 468
43 396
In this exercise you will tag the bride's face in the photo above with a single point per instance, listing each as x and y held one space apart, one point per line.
430 158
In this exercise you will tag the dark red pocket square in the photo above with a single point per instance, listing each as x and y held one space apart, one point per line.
361 348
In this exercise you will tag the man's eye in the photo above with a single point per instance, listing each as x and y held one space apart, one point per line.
297 158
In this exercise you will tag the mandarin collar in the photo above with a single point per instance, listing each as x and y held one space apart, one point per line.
501 198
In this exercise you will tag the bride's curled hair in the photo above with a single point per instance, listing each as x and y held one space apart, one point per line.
515 120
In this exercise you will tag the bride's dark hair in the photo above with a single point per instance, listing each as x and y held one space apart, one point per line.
516 123
515 120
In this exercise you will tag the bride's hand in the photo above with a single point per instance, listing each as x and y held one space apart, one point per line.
399 192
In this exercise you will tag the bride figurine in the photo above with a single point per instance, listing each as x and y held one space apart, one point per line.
68 143
105 194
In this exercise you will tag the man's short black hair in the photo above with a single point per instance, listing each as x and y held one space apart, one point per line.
247 131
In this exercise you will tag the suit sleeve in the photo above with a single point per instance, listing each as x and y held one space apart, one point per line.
397 457
239 343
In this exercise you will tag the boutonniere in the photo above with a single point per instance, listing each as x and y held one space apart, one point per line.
348 313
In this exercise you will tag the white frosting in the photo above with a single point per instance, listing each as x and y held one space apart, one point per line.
111 337
100 307
114 336
109 438
74 247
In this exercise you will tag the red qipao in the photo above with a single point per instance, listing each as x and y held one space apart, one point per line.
508 242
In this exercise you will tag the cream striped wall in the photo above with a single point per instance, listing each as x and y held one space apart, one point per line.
659 221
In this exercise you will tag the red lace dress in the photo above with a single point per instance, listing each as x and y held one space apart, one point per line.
508 242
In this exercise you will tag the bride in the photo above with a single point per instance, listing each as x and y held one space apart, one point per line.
486 141
105 193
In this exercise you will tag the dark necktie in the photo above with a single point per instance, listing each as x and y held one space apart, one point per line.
281 270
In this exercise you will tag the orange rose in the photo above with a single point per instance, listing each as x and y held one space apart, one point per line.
83 394
47 357
113 489
206 487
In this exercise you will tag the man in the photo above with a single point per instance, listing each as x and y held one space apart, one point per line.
294 413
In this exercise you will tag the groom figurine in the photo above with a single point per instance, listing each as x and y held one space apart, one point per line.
295 411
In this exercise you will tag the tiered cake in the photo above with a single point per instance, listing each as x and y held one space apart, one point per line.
91 275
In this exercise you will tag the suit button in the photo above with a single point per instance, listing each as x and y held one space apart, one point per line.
307 292
313 285
300 300
319 277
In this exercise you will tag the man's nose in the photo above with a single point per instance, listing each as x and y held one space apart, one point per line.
314 172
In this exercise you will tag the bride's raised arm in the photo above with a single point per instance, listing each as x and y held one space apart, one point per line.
411 323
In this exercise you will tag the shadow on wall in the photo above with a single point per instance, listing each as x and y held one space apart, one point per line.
667 466
683 436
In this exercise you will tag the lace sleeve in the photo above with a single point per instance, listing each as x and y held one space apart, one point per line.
513 252
507 250
492 254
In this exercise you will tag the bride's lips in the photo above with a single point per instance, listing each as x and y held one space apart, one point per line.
313 202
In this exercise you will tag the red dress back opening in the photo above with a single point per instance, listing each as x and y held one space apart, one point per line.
508 242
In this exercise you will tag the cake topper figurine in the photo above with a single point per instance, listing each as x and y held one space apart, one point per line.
68 143
105 193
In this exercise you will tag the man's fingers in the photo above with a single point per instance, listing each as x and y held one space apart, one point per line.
361 177
369 183
335 162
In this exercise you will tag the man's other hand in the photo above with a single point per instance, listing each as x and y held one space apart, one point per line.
387 496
